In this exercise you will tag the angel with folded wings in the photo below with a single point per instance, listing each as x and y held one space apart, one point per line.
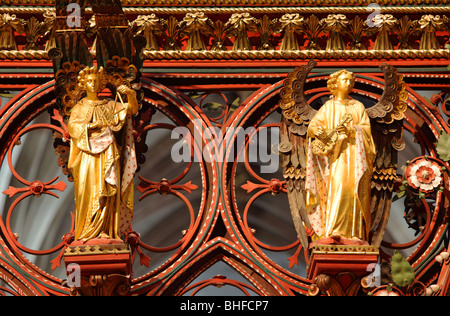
100 124
102 158
340 161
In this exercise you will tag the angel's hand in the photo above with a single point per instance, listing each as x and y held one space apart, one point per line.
346 130
123 89
95 125
342 129
320 133
133 105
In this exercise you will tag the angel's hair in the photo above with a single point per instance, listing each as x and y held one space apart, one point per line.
92 70
331 83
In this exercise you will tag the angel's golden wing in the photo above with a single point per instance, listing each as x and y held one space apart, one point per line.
387 130
296 115
69 57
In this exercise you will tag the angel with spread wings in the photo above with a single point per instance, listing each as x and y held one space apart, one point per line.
339 166
340 161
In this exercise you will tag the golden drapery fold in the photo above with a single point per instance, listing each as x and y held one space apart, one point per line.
103 167
338 186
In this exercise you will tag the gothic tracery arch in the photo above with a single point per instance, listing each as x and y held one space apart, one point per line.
221 209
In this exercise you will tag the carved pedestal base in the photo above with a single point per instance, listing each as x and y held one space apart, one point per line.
338 269
99 270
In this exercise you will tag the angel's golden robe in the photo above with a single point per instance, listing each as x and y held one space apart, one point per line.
338 186
103 167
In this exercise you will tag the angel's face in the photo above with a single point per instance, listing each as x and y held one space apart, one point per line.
92 83
345 82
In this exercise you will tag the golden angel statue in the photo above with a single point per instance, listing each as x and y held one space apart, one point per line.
97 107
102 158
340 161
338 188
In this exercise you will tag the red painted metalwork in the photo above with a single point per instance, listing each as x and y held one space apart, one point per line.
219 223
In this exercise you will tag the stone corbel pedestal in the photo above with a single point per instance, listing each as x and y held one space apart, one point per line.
338 269
99 270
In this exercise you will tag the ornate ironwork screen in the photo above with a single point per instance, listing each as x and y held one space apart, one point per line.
210 195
